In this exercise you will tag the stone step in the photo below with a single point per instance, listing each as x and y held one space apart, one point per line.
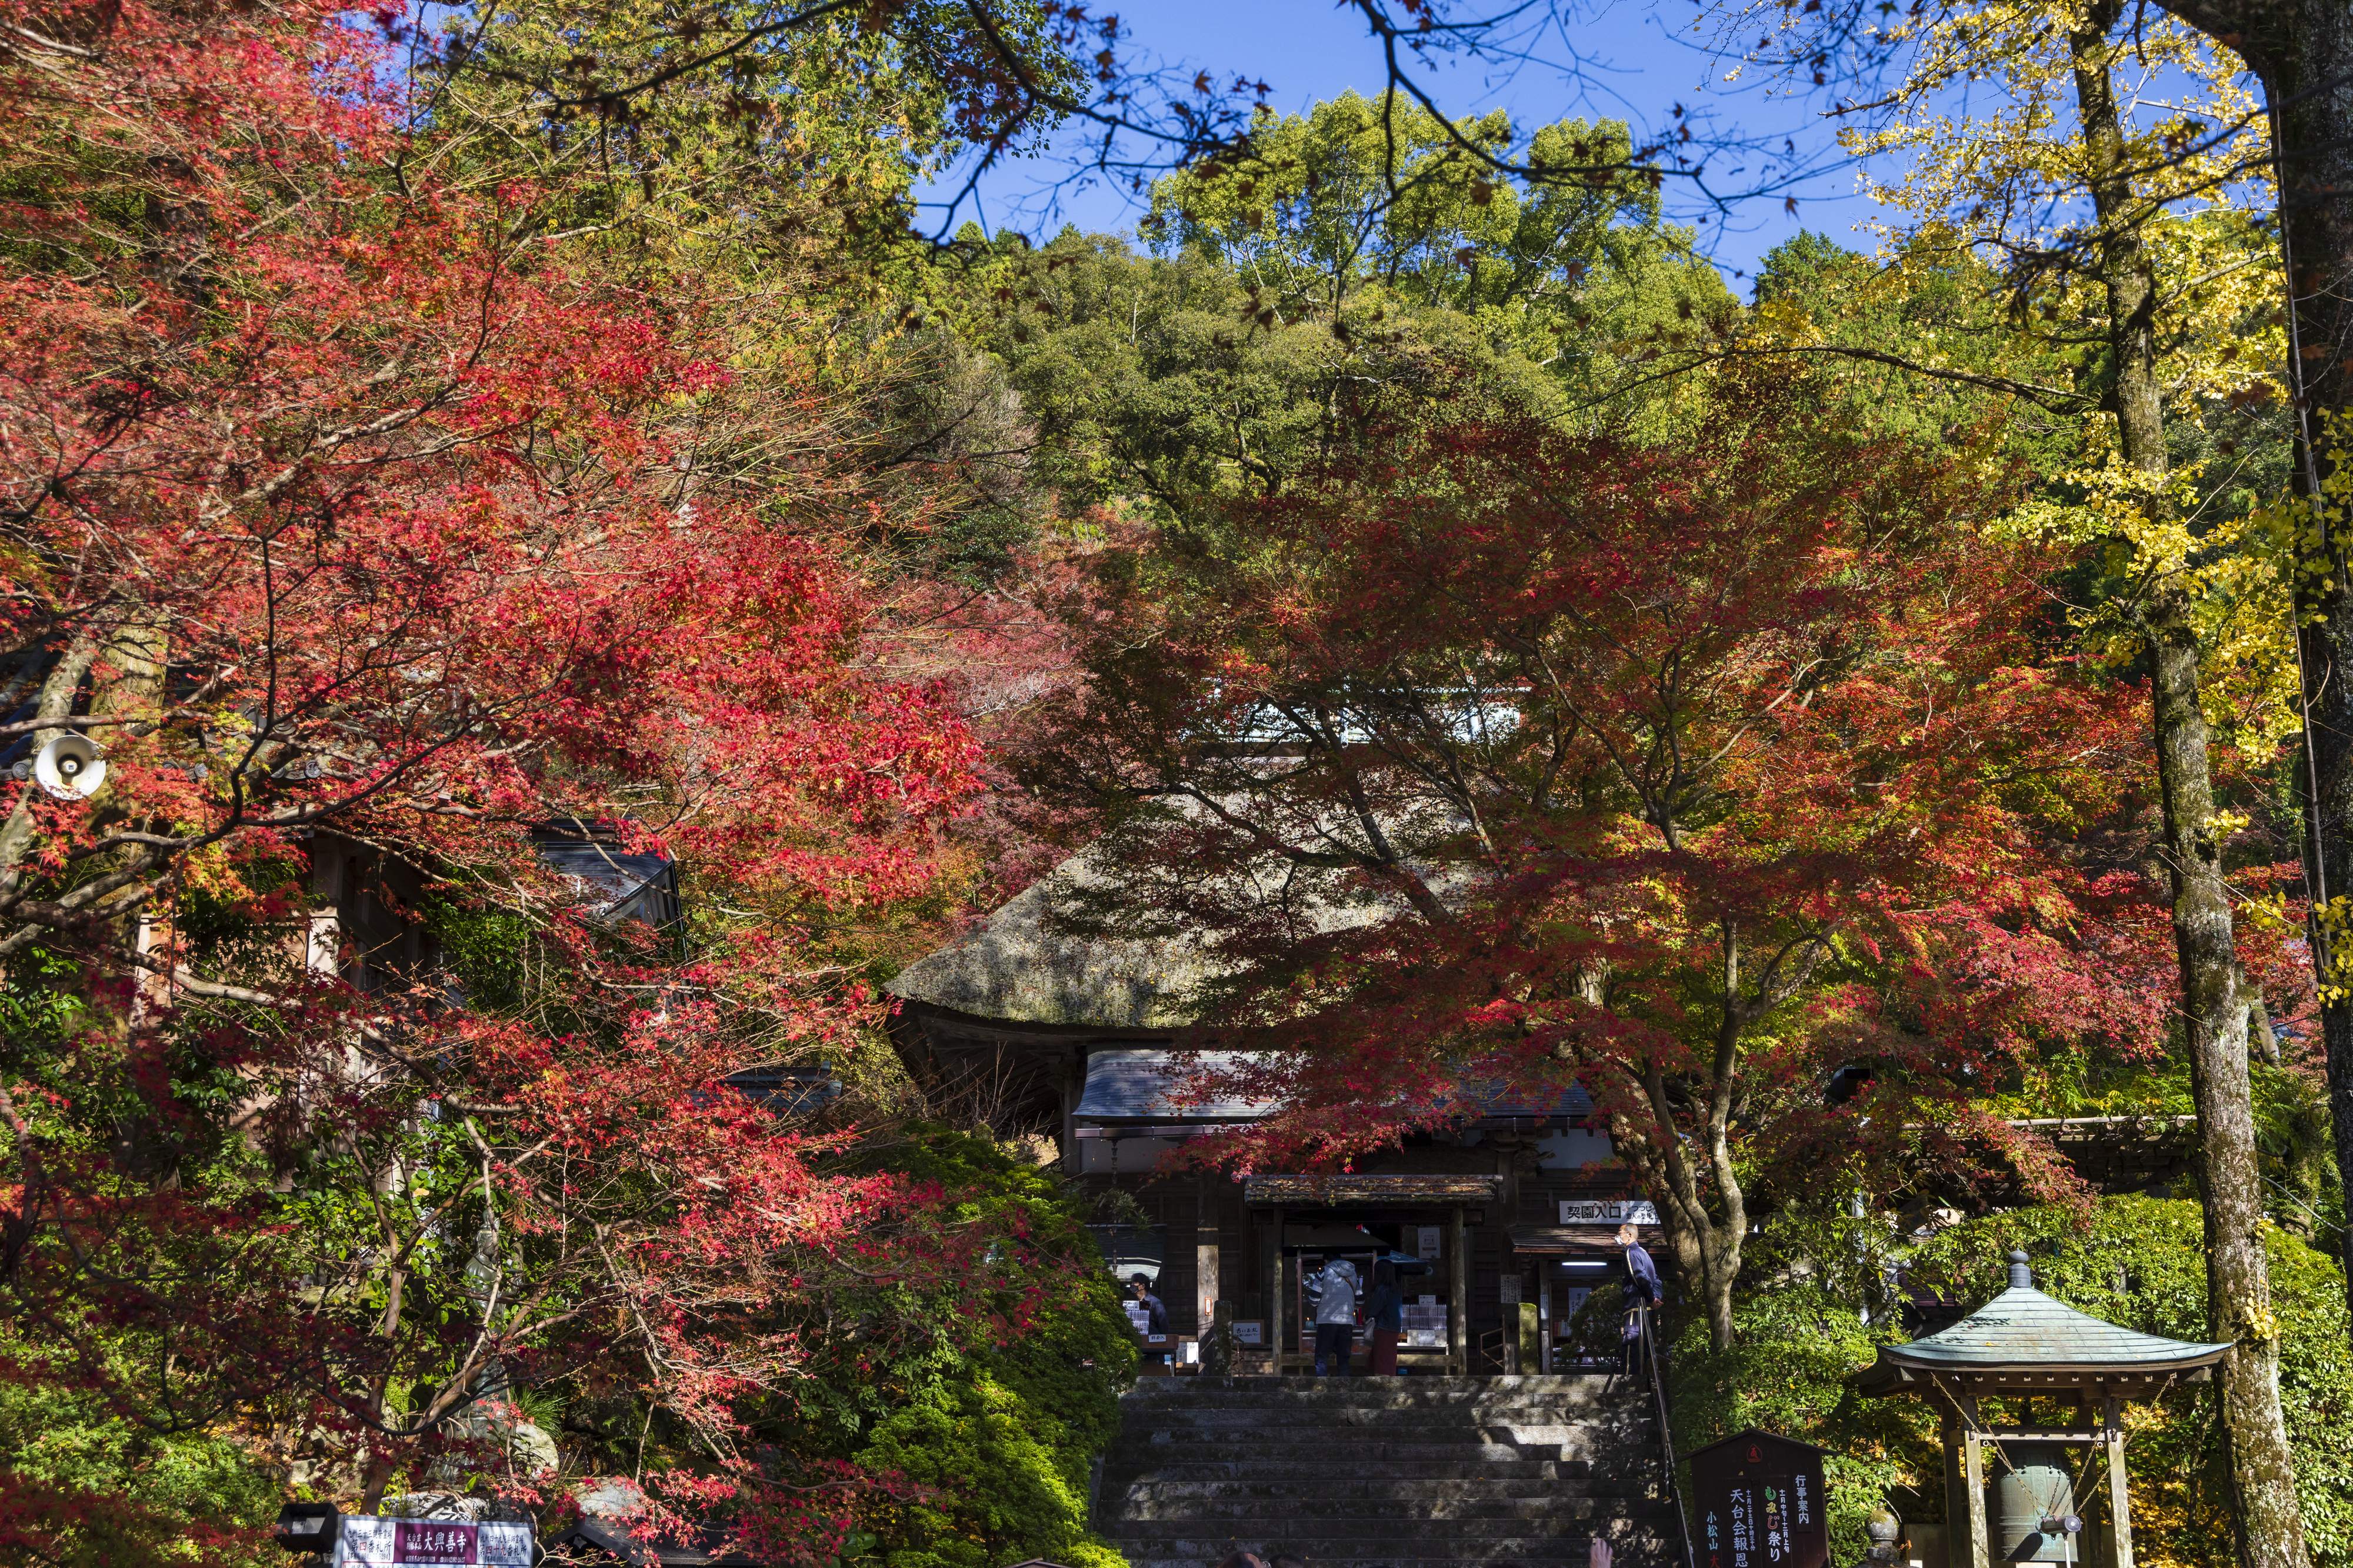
1342 1491
1388 1508
1387 1473
1198 1552
1339 1438
1570 1549
1388 1390
1242 1407
1368 1469
1378 1446
1578 1514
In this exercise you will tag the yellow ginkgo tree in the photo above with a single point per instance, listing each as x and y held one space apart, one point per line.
2109 170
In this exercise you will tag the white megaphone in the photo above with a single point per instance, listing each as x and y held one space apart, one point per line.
70 768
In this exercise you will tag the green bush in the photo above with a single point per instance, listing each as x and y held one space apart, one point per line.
1003 1411
1799 1338
188 1496
1011 1480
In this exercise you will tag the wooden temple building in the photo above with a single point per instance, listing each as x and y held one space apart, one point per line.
1511 1213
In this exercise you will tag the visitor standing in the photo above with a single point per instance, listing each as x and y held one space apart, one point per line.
1639 1292
1155 1315
1335 1318
1384 1317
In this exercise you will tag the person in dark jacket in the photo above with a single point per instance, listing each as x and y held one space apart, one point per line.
1640 1292
1384 1317
1156 1316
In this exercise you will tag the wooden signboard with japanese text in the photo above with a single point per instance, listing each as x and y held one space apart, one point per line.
1758 1503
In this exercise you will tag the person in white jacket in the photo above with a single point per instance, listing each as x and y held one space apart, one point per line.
1335 1318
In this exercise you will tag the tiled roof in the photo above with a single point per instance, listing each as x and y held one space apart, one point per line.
2022 1330
1137 1084
1358 1191
1560 1240
1140 1083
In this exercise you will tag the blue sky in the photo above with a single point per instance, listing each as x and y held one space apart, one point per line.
1620 62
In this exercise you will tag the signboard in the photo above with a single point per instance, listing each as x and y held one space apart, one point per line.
367 1543
1426 1245
1610 1211
1250 1331
1759 1503
1507 1290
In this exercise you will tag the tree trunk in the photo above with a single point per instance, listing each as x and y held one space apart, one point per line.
2265 1517
1706 1240
2303 51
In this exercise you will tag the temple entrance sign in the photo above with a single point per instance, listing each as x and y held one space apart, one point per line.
2024 1346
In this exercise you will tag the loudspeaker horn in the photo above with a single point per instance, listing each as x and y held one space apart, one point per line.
70 768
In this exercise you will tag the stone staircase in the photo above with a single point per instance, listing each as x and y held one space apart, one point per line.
1386 1472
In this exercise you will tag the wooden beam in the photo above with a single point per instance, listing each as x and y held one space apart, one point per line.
1206 1288
1977 1546
2119 1497
1276 1295
1458 1311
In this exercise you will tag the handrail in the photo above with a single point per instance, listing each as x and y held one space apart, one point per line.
1666 1432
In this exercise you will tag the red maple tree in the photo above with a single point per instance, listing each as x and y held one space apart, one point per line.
348 510
1502 760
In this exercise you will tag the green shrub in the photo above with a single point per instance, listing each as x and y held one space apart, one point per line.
1797 1339
1003 1410
191 1497
1012 1482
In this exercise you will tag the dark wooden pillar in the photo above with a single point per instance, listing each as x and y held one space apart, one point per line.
1276 1295
1458 1313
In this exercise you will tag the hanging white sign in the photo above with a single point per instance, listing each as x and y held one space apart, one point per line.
366 1542
1611 1211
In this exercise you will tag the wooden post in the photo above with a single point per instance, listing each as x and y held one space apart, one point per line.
2112 1436
1457 1307
1976 1549
1507 1291
1544 1315
1205 1284
1217 1342
1948 1437
1275 1296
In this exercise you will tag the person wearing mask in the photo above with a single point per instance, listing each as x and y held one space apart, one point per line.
1384 1317
1640 1292
1335 1318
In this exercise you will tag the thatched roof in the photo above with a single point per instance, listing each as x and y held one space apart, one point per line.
1018 967
1026 966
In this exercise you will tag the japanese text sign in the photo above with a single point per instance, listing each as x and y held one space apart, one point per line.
432 1543
1760 1503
